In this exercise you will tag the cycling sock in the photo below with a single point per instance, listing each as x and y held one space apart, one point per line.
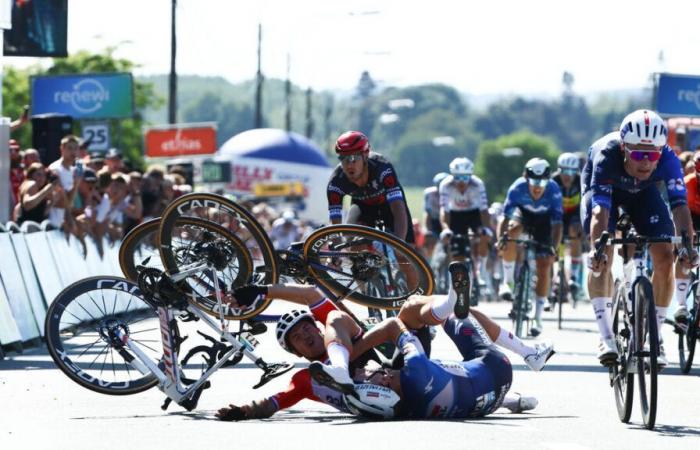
444 305
539 307
682 285
511 342
602 306
660 318
338 354
508 271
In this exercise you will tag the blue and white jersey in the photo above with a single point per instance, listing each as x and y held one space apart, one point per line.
604 173
550 203
446 389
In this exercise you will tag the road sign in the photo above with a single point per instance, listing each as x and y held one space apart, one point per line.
289 189
216 172
180 140
678 95
98 136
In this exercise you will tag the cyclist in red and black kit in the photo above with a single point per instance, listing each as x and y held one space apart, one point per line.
371 181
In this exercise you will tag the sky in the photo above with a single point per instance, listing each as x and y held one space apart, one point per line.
494 47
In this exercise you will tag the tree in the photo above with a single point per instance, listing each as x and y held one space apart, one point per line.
499 171
126 133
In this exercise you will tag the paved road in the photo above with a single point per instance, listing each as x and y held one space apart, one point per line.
41 408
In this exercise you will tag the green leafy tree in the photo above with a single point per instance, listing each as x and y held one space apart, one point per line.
498 170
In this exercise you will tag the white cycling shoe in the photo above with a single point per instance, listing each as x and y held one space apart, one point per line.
537 360
504 292
334 377
607 351
519 404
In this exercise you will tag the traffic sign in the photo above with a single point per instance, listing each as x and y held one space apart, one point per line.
97 134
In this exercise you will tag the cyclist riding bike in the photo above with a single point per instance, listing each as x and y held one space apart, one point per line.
533 205
298 333
464 207
682 315
621 172
431 213
569 181
371 181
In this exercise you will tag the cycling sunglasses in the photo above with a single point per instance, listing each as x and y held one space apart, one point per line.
464 178
350 158
538 182
569 172
639 155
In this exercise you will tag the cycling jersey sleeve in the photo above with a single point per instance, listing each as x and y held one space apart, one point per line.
298 389
483 199
335 201
321 309
601 182
557 203
388 179
511 202
672 173
410 345
443 192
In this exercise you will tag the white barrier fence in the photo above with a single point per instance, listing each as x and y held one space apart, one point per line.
35 265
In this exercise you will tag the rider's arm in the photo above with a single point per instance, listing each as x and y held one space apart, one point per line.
508 209
335 203
557 214
683 220
599 223
677 194
253 410
398 210
301 294
388 330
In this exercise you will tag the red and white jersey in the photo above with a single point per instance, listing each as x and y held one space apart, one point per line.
473 197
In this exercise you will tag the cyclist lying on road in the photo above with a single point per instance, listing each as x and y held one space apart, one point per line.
297 333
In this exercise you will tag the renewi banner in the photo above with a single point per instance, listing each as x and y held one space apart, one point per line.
678 95
84 96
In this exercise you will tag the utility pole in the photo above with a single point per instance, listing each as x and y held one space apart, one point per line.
288 99
172 85
309 118
259 83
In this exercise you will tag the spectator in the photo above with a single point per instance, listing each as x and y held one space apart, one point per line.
87 195
16 172
30 156
96 162
285 230
109 215
134 203
113 160
167 191
151 193
64 168
687 162
35 194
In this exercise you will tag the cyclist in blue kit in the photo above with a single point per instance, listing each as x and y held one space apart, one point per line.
533 205
622 171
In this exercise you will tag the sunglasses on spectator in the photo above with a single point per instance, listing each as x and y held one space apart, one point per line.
350 158
538 182
639 155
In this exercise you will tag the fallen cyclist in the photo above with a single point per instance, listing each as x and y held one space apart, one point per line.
297 332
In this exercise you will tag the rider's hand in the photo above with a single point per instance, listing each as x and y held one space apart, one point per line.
232 412
688 261
595 265
247 295
446 235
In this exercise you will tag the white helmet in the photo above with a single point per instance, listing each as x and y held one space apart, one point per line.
643 127
568 161
537 168
461 166
286 322
373 401
496 209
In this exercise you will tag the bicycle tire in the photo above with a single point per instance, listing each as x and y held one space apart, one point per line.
132 251
687 340
237 221
520 301
319 248
647 365
561 297
475 291
68 334
623 382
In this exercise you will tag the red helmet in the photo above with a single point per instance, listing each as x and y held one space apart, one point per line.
352 142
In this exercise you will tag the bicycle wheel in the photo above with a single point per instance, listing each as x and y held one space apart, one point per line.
623 381
78 325
688 339
561 294
647 349
235 231
522 292
342 258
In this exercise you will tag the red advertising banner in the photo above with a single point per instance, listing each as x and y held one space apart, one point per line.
181 141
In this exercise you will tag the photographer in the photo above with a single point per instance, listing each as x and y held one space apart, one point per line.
34 194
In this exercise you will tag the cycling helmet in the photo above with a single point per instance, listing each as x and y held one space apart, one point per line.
439 177
286 322
373 401
537 168
352 142
643 127
461 166
496 209
568 161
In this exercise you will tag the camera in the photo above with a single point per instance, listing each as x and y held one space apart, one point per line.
51 177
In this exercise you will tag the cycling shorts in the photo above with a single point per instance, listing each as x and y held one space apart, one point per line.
370 214
463 221
538 226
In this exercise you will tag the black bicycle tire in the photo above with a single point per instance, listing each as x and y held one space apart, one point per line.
623 383
136 235
178 207
688 340
55 345
475 291
644 301
520 300
561 294
426 282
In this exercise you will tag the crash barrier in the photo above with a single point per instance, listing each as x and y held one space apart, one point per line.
36 263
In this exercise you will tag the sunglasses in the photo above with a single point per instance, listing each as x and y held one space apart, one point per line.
538 182
464 178
639 155
569 171
349 158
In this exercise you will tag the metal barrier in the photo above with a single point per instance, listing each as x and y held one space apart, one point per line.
36 264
